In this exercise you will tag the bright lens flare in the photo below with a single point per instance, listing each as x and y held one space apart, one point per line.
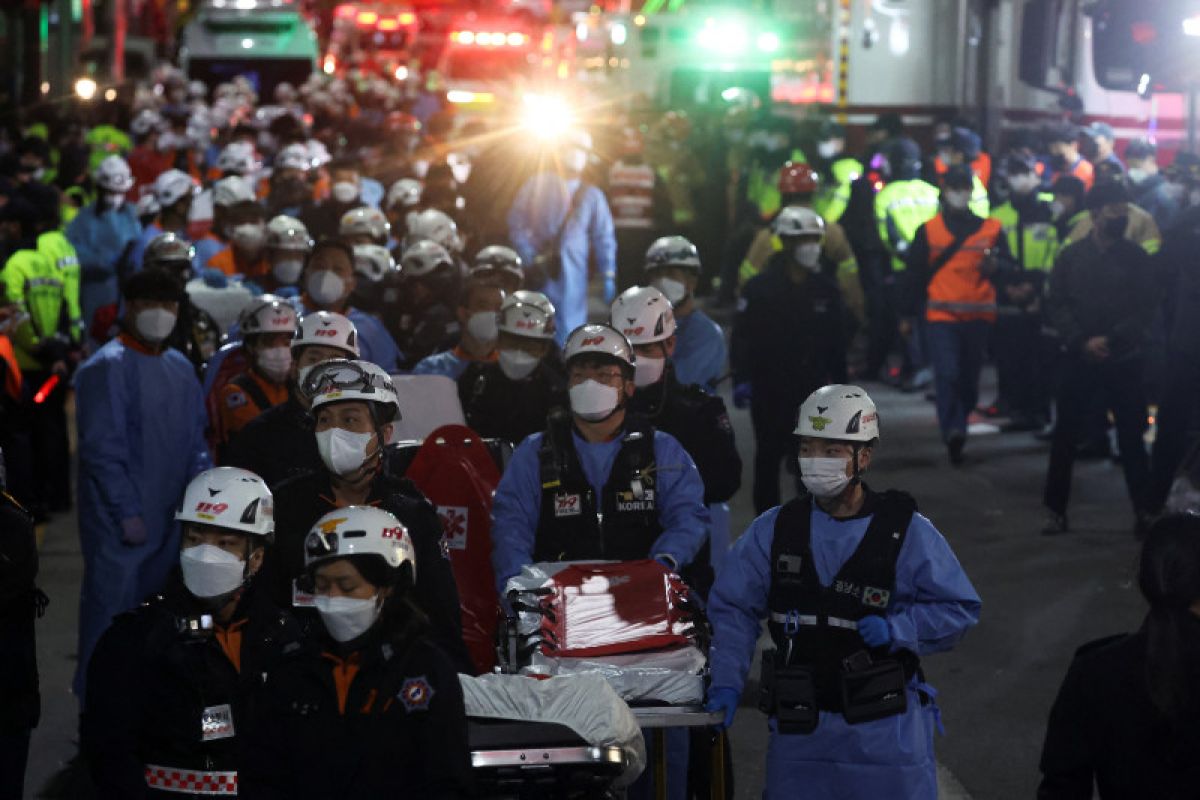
546 116
85 88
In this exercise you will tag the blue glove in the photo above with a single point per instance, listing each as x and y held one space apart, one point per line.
610 289
741 395
133 531
875 631
214 278
287 292
667 561
724 701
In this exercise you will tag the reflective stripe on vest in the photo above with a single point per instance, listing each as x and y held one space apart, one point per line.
631 195
169 779
811 620
959 291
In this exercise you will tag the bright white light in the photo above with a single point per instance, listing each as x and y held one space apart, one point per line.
245 5
768 42
639 20
1144 83
546 116
85 88
619 34
460 97
581 32
898 41
401 73
110 94
247 44
1191 26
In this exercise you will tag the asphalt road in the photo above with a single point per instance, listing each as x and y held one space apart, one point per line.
1042 599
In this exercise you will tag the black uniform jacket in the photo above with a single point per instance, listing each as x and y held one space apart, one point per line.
277 444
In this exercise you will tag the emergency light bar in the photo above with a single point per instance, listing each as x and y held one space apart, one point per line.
490 38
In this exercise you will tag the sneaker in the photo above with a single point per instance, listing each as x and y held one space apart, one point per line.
1054 524
955 443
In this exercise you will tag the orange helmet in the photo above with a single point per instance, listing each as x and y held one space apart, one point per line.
798 178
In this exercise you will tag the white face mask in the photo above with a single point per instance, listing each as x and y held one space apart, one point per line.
517 365
808 255
250 236
287 271
828 149
576 160
1023 183
347 618
345 192
1057 210
593 401
675 290
484 326
824 477
1137 174
956 200
275 362
343 451
154 324
648 371
112 201
326 287
209 571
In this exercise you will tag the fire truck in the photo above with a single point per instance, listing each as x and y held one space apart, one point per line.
378 39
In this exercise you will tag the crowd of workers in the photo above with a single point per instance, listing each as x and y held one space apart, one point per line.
229 286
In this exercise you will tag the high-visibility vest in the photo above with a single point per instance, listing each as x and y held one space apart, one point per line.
832 199
631 196
901 208
1034 245
959 292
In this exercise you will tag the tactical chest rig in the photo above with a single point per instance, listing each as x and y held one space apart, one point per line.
574 525
820 662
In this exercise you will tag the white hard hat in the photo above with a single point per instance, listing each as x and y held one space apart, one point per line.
268 314
294 156
197 90
598 339
147 206
498 258
146 122
229 498
240 158
644 315
405 192
365 221
673 251
342 379
360 531
424 258
528 314
231 191
172 186
839 411
373 262
318 153
327 329
113 175
288 233
436 226
798 221
167 249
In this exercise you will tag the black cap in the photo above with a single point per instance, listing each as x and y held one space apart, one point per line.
1019 164
1141 148
965 141
1105 193
890 123
959 176
1070 186
1065 132
153 284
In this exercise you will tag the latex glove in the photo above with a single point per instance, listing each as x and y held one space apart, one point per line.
741 395
133 531
667 561
724 701
610 289
214 278
287 292
875 631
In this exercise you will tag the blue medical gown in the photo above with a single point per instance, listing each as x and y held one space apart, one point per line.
537 214
701 354
933 605
101 238
141 423
375 344
447 363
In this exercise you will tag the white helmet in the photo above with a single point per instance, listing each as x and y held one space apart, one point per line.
147 121
172 186
598 339
168 251
342 379
373 262
113 175
528 314
365 221
644 315
673 251
318 153
147 206
288 233
436 226
327 329
239 158
231 191
799 221
230 498
294 156
360 531
285 93
498 258
841 412
197 90
424 258
405 192
268 314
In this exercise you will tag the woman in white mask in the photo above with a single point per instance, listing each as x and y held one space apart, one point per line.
288 245
379 711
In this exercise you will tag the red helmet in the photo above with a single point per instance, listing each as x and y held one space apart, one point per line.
798 178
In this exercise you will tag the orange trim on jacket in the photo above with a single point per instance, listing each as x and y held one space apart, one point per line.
959 292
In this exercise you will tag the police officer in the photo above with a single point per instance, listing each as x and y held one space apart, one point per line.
173 684
856 586
838 171
379 711
279 442
788 339
513 396
673 267
355 405
424 319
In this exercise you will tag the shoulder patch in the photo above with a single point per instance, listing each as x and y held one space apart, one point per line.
416 694
236 399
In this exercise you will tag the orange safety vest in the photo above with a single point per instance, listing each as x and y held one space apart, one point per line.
959 292
225 261
981 166
12 371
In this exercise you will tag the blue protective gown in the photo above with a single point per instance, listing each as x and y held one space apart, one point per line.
141 440
139 248
101 238
516 507
447 362
700 351
932 606
537 214
206 248
375 344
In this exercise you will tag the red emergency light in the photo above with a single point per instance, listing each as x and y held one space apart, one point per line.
46 389
389 24
490 38
366 18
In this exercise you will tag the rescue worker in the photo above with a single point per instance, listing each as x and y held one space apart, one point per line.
246 231
268 326
355 407
196 334
425 320
279 442
950 264
173 192
288 245
173 684
322 218
375 275
499 266
513 396
479 318
224 195
364 225
289 187
1149 188
639 204
672 265
855 586
1063 143
838 172
379 711
328 280
402 198
558 223
147 160
102 234
1103 137
788 338
140 416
